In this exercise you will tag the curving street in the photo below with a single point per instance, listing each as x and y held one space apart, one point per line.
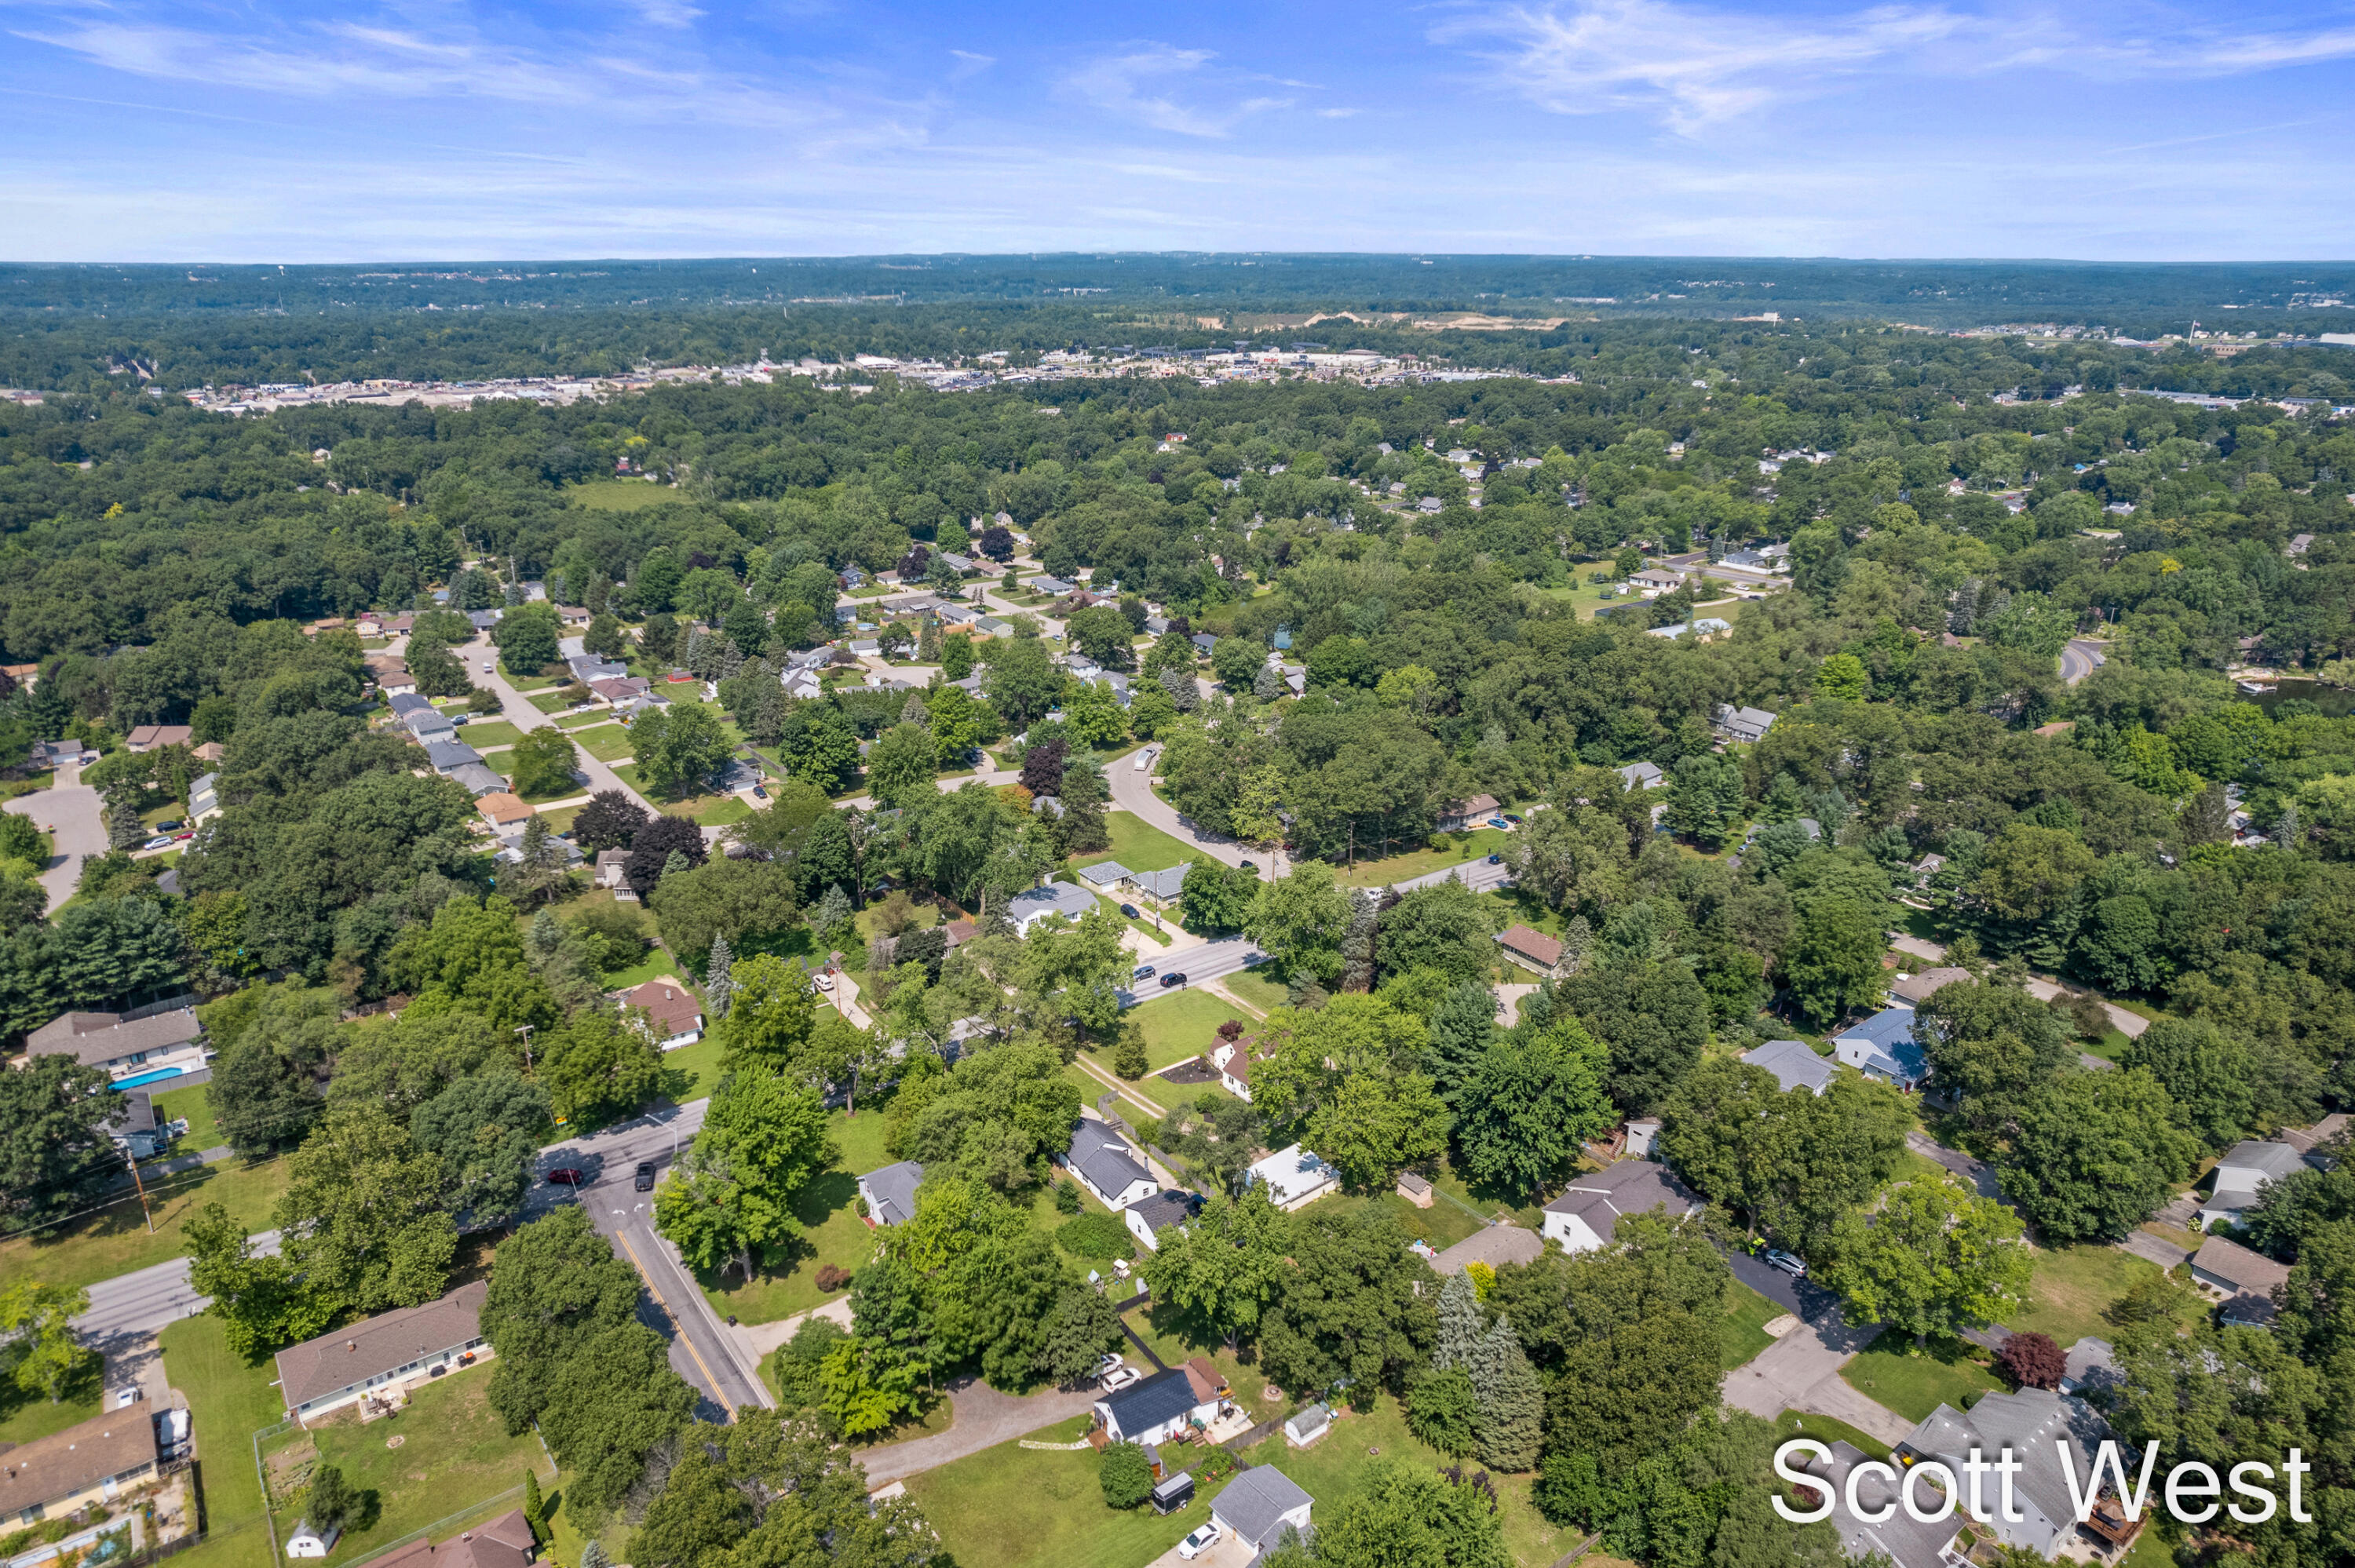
69 811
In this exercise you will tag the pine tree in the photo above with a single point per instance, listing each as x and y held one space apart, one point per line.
593 1556
833 909
676 862
928 643
1459 1324
693 656
1358 943
533 1504
124 828
719 985
547 936
1512 1402
1268 684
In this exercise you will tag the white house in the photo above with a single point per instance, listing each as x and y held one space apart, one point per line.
1149 1218
1294 1178
1883 1047
1583 1217
1232 1059
133 1051
890 1193
1153 1410
377 1355
1026 909
2247 1166
1102 1163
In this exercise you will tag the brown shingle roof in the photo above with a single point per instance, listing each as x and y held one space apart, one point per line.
147 735
1536 944
671 1006
504 1543
383 1343
48 1469
503 807
94 1037
2245 1270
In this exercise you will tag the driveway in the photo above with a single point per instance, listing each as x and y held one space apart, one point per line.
1801 1371
69 811
1801 1298
518 710
983 1419
2130 1024
1980 1175
1133 791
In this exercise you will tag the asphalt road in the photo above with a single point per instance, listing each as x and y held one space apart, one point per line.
146 1300
518 710
69 811
2080 657
1133 791
701 1349
1201 961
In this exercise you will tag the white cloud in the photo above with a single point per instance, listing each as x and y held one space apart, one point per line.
1690 66
969 64
1135 86
668 13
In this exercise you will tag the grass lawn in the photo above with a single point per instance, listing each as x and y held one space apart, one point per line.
192 1104
584 718
484 734
1914 1385
1461 849
606 742
1184 1026
657 961
545 701
559 821
618 495
455 1454
1010 1507
1487 1203
710 810
1161 937
1255 988
23 1417
691 1072
116 1240
2071 1286
786 1283
1742 1332
1139 845
1796 1423
228 1402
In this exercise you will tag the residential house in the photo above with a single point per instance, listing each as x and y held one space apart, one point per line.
135 1129
404 704
2039 1427
1494 1246
391 675
1104 876
588 669
890 1193
1883 1047
1163 885
1293 1177
674 1017
1913 989
155 736
1233 1060
1155 1409
611 865
484 620
1892 1533
1533 951
1741 725
1642 776
1102 1163
1707 628
427 726
58 753
1054 587
1027 909
1925 868
1794 1063
502 809
2091 1368
1582 1219
505 1541
377 1356
962 564
1157 625
1204 643
204 800
1259 1506
132 1050
2247 1166
615 691
2305 1140
1654 581
445 754
478 780
2245 1281
90 1463
1458 815
1168 1209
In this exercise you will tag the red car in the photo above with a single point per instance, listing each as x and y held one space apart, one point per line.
566 1176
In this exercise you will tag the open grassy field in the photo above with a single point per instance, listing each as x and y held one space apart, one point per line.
1742 1332
116 1240
484 734
2071 1287
606 742
1138 845
229 1400
1914 1385
452 1453
1254 987
1183 1026
709 810
619 494
1459 849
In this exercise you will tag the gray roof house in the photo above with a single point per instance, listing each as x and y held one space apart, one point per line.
1260 1505
428 727
1106 1166
1883 1047
1166 1210
1899 1537
2037 1424
407 703
1153 1410
2247 1166
1913 989
1494 1246
1583 1217
1794 1063
1026 909
1164 883
447 754
372 1355
124 1047
2244 1280
890 1193
477 778
1742 725
1642 774
1104 874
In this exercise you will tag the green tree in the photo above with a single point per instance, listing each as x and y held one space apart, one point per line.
37 1341
1372 1126
1572 859
362 1213
1534 1098
596 1066
1654 1016
1102 634
1445 927
1077 1332
543 762
1842 677
486 1129
1833 964
2212 1078
818 745
770 1019
527 638
902 761
1348 1306
748 902
1021 681
2092 1155
732 1196
1216 898
264 1092
1933 1259
1224 1269
1512 1400
1126 1478
1409 1517
54 1148
1299 920
1705 799
678 748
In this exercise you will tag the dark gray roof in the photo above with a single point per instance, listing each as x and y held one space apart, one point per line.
1105 1159
1167 1208
1626 1187
410 703
891 1191
477 778
1255 1503
1162 1398
2274 1159
1794 1063
1900 1536
447 754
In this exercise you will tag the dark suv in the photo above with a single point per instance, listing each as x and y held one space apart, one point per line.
645 1181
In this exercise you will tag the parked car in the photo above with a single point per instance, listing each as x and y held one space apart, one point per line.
760 791
1143 971
1174 976
1495 860
1206 1535
823 980
567 1176
646 1178
1512 818
183 835
1251 865
1120 1377
1499 822
1111 1363
1130 910
1145 760
170 826
486 666
1789 1263
161 840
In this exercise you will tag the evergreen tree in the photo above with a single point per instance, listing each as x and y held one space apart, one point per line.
1461 1027
124 828
547 936
716 984
678 861
928 645
593 1556
833 909
533 1505
1459 1324
1358 943
1512 1402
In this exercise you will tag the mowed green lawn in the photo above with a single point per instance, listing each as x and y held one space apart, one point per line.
1138 845
1460 849
1742 1332
1187 1025
116 1239
784 1282
454 1454
1914 1385
605 742
2073 1286
199 1110
229 1400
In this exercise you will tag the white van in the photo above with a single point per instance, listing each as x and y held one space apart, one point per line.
1144 759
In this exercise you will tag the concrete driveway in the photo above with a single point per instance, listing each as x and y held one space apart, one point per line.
983 1419
1801 1371
69 811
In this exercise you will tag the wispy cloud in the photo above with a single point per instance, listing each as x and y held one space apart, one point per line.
969 64
1691 68
1134 85
667 13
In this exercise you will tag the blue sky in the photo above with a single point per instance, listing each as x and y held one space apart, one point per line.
269 130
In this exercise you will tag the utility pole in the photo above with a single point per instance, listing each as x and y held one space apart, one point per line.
525 1031
140 1187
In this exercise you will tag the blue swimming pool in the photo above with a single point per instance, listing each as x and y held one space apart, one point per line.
159 1076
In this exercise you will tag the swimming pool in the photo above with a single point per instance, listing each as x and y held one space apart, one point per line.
159 1076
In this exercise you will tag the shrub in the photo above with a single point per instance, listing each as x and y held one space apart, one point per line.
1232 1029
2032 1361
1126 1478
1067 1198
1128 1058
1096 1235
831 1278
